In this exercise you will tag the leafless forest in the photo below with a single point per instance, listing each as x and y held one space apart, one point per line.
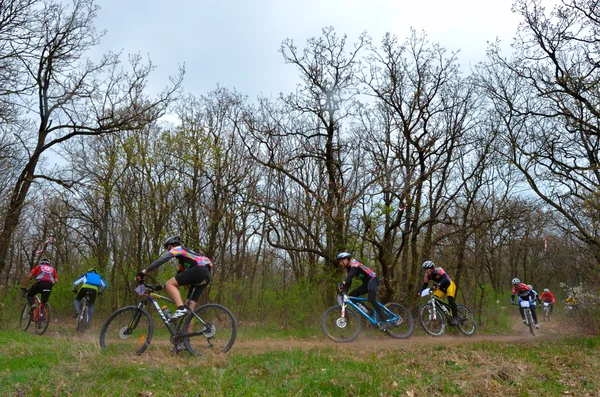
388 149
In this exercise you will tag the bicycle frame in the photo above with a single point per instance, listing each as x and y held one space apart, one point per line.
437 302
353 302
149 295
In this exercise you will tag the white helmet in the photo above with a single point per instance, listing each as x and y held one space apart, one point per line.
516 281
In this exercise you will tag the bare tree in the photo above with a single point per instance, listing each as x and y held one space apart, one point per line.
72 96
548 96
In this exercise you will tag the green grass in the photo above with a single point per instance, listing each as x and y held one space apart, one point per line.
275 363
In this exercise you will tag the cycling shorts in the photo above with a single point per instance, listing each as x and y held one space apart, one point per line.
450 291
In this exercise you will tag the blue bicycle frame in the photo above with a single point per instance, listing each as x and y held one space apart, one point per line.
354 301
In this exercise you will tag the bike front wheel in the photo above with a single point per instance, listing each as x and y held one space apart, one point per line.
216 332
82 319
43 320
127 331
25 318
466 320
432 319
404 325
340 329
546 314
529 318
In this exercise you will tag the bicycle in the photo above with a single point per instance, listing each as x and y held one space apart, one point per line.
208 328
547 312
83 318
341 323
40 315
434 315
528 316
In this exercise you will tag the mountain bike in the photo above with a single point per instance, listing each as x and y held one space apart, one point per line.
434 315
83 318
40 315
341 323
547 312
528 316
208 328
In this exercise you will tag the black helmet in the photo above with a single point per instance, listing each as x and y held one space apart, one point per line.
343 255
44 261
428 265
173 240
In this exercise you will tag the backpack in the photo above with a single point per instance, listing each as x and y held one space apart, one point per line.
94 279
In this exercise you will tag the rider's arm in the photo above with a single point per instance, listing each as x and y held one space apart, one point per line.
28 277
77 282
163 259
103 286
348 281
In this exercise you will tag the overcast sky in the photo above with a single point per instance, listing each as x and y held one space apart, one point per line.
235 43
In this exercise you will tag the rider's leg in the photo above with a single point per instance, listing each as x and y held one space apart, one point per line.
172 287
90 314
372 287
533 314
451 293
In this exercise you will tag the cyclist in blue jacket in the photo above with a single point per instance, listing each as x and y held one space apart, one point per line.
90 282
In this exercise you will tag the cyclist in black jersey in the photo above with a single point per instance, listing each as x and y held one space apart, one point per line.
194 270
369 286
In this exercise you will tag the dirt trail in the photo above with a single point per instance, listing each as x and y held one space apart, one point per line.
376 341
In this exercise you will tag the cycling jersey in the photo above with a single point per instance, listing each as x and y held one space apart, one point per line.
358 270
524 292
186 258
91 280
45 274
440 277
547 297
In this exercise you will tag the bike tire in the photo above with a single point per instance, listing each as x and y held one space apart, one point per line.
466 320
404 326
127 331
25 318
546 314
338 329
530 322
82 319
219 334
432 319
41 325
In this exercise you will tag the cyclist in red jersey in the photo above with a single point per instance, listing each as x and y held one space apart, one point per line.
370 283
547 296
45 278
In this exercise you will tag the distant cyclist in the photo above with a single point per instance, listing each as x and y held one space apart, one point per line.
444 286
370 283
548 297
90 282
194 270
45 277
525 293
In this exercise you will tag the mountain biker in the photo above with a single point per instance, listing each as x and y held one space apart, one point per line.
90 282
45 278
444 286
525 293
194 270
548 296
370 283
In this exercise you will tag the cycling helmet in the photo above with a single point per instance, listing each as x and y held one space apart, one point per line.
516 281
546 290
173 240
91 269
44 261
343 255
428 265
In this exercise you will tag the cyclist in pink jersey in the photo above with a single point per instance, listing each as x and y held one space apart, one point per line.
45 277
370 283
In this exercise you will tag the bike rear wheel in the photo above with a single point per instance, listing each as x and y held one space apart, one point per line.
43 320
432 319
466 320
217 336
404 326
82 319
340 329
25 318
127 331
